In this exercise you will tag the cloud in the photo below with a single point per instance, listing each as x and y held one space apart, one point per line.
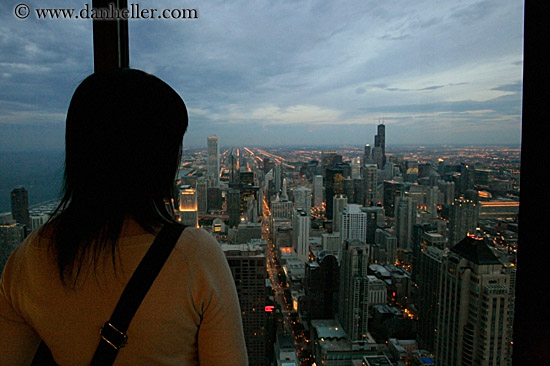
307 67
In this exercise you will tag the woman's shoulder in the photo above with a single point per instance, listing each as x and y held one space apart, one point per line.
198 243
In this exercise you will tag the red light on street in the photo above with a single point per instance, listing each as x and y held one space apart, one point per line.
269 308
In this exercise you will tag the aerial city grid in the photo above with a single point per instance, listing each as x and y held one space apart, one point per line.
352 255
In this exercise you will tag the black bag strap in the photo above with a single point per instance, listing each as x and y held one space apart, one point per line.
113 333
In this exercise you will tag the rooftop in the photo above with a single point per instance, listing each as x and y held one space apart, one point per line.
475 250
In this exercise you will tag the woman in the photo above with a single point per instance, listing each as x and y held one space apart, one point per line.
123 144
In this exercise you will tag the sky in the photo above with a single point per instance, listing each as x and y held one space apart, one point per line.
268 73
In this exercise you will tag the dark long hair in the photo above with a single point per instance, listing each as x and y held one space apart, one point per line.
123 139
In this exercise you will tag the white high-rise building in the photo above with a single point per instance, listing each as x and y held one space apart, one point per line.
302 199
301 223
353 223
213 171
339 202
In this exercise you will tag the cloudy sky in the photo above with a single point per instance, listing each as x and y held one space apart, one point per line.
287 72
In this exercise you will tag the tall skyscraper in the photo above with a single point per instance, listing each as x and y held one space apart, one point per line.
278 178
334 184
213 161
321 287
233 170
234 207
188 208
367 159
248 265
202 195
405 218
380 142
301 224
375 220
339 202
318 191
388 244
475 312
353 307
392 190
428 274
353 224
463 217
302 199
20 207
370 178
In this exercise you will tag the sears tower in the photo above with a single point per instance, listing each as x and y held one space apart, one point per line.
379 151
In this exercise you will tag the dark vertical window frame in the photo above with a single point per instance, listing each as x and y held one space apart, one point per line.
110 38
531 331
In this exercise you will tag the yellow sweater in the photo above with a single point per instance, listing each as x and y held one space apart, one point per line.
190 316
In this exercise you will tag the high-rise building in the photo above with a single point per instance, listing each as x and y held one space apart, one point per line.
214 198
353 307
463 217
318 191
339 202
188 209
12 234
380 142
418 242
367 155
349 190
375 220
334 184
213 161
202 195
20 207
248 266
405 218
353 223
378 157
388 246
281 209
234 207
302 199
278 178
301 223
428 274
359 191
321 283
233 170
392 190
475 313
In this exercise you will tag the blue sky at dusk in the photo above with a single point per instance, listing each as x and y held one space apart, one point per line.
287 72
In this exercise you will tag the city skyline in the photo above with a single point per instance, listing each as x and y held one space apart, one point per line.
280 74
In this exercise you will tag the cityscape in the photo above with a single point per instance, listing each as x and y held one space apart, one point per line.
353 255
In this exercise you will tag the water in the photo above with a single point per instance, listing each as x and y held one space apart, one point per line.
39 172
